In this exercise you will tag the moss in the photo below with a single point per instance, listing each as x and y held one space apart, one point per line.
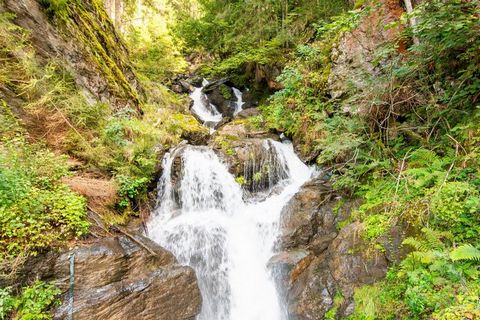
186 123
241 180
88 22
226 92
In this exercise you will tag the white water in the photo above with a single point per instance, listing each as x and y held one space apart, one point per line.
207 112
239 103
227 240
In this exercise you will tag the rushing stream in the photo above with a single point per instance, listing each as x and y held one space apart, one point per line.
206 111
228 236
207 224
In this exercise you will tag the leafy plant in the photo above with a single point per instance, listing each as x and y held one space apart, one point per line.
36 209
129 189
465 252
34 302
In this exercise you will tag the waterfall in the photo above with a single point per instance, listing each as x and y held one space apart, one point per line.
239 103
205 222
206 111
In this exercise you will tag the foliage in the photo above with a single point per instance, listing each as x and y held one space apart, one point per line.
45 110
55 7
405 141
129 189
427 282
302 108
36 209
465 252
456 207
153 52
34 302
240 34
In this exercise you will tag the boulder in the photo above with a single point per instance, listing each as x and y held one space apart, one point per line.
247 113
196 81
221 96
249 155
316 260
308 217
120 278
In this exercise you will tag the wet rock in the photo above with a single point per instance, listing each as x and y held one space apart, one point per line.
118 278
307 217
221 96
196 81
186 86
331 261
249 99
311 293
247 113
196 137
252 161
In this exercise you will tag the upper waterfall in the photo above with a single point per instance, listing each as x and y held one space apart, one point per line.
206 111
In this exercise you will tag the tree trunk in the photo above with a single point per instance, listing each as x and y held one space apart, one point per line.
413 20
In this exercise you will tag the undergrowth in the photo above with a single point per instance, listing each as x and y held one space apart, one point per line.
48 121
33 302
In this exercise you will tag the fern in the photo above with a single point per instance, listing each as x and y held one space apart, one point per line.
430 240
433 238
465 252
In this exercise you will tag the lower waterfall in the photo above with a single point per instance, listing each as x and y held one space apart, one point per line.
228 239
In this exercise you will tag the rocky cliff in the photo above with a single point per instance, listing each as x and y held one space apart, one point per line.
84 39
121 277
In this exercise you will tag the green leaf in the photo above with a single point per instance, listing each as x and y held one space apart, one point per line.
465 252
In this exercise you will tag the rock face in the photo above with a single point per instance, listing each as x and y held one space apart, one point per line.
221 96
353 57
318 262
118 278
248 155
120 87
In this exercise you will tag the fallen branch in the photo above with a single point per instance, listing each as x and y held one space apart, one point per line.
131 237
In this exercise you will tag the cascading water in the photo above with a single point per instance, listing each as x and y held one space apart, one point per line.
239 103
206 111
205 222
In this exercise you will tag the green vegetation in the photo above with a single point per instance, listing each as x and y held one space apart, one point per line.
404 139
48 122
153 51
239 35
406 143
32 303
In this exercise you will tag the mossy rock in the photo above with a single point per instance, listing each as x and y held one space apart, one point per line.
189 129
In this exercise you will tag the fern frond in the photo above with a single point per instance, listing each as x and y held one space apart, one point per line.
465 252
415 243
433 238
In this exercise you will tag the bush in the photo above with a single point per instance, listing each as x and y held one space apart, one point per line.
33 303
456 207
36 210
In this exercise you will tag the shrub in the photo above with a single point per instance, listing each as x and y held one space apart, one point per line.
36 210
456 207
34 302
